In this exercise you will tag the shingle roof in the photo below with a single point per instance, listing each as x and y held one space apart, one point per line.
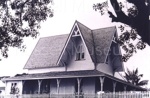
97 41
102 41
88 38
51 75
46 52
48 49
68 74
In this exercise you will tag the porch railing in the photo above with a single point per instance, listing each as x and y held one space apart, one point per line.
135 94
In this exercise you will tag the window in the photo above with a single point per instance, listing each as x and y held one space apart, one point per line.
80 55
76 32
14 89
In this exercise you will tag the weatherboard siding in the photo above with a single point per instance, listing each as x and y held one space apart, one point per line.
8 87
45 70
85 64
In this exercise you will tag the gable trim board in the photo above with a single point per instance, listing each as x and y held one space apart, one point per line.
69 38
67 41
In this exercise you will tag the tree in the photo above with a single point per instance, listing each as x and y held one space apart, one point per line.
20 19
134 78
136 17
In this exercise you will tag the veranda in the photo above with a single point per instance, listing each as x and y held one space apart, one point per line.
131 94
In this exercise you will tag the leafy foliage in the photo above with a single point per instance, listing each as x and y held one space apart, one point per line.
134 78
136 19
19 19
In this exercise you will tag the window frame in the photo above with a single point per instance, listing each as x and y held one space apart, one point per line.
80 53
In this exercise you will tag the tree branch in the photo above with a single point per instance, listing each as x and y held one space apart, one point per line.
21 10
141 20
114 18
121 16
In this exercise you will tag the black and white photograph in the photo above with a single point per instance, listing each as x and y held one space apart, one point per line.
74 49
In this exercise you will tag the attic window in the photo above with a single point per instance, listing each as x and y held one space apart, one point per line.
114 39
80 55
76 31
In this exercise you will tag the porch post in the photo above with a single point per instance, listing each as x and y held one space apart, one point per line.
23 81
114 86
79 82
49 86
125 87
102 82
39 86
58 84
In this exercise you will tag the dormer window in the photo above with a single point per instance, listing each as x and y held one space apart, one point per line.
80 55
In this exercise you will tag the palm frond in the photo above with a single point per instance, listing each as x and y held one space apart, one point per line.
143 82
134 78
141 75
136 71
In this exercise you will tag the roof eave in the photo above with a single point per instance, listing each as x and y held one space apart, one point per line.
21 78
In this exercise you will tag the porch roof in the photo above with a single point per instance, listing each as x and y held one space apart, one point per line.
68 74
124 82
53 75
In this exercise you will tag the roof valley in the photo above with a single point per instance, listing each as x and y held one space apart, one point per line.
94 49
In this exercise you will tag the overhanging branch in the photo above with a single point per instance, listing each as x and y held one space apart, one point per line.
121 16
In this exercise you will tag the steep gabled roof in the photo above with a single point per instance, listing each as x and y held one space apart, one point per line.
88 38
46 52
102 41
48 49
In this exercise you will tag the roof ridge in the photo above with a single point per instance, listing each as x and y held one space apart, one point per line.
83 25
52 36
104 28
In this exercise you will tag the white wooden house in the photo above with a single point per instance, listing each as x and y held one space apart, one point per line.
84 61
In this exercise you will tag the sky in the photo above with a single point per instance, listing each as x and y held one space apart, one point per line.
65 14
